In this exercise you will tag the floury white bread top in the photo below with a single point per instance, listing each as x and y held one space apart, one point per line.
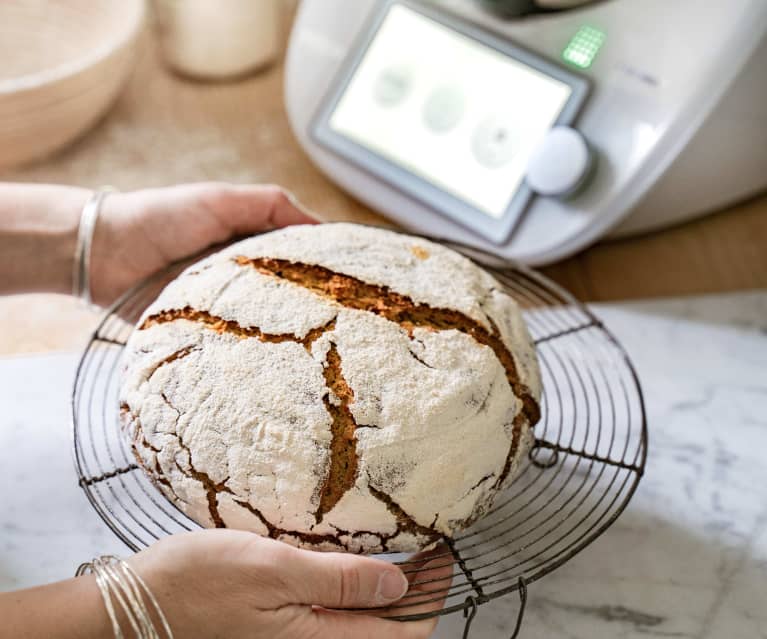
333 386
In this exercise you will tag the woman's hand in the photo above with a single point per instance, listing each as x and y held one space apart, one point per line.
136 234
141 232
226 583
213 584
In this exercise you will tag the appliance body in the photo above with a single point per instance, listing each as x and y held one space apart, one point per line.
676 115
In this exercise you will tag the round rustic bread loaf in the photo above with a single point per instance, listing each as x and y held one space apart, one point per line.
335 386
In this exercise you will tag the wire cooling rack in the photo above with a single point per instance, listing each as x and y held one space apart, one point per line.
588 458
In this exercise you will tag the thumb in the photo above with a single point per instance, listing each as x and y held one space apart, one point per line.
335 580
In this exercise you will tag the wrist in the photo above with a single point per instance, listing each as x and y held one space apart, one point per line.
82 270
67 610
38 235
109 251
127 597
92 614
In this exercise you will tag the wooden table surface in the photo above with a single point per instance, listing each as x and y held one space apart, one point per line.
165 130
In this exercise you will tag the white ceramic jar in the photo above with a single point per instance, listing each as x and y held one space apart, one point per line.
213 39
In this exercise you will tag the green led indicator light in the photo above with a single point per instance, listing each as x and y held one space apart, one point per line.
583 47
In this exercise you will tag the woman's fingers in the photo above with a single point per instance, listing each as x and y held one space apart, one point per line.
332 624
430 580
417 561
244 209
335 580
426 595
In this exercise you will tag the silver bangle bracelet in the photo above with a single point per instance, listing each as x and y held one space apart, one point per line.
119 583
81 269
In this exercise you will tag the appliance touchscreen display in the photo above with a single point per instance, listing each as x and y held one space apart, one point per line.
452 111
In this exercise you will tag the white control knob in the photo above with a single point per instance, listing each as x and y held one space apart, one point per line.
560 164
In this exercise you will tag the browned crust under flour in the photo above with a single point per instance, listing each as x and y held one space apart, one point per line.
343 468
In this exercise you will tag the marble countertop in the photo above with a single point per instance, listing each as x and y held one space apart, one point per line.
688 558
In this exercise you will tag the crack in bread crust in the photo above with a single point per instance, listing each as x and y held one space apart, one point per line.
342 471
275 532
516 434
221 326
212 489
356 294
155 474
405 523
179 354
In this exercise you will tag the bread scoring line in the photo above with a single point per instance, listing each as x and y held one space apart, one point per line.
344 460
404 311
221 326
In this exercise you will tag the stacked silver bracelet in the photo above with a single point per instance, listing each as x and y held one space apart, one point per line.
81 271
121 585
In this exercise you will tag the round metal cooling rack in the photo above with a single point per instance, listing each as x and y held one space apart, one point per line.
588 458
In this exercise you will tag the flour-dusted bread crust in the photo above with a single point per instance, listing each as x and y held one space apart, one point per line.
336 386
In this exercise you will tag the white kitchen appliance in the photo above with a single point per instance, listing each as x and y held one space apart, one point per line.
533 137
